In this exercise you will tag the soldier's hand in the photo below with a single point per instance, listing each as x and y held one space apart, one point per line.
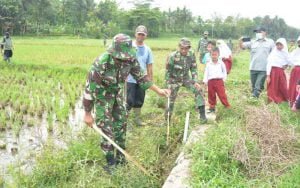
164 92
88 119
197 86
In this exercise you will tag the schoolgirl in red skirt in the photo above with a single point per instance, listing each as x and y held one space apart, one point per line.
295 73
278 60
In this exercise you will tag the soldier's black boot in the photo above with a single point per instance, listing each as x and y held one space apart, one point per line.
203 118
211 110
120 159
111 162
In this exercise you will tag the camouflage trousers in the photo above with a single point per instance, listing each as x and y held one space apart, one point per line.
199 100
111 118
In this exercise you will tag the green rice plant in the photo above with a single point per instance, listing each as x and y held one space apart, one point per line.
2 121
50 122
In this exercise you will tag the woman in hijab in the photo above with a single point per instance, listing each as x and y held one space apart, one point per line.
225 54
278 60
295 73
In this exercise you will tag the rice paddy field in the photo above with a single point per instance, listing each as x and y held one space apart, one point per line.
44 142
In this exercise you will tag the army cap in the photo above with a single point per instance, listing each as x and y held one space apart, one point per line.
121 47
259 29
185 42
141 29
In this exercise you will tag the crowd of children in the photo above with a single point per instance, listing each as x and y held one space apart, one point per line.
277 88
218 63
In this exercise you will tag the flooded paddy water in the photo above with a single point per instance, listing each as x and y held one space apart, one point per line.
20 150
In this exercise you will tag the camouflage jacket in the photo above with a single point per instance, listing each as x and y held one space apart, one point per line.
179 67
202 44
106 80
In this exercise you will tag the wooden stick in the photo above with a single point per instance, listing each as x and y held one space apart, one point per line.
186 126
129 157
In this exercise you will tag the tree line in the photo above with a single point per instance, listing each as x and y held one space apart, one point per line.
105 18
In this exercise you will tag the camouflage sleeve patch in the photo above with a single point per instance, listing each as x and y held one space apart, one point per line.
94 81
88 98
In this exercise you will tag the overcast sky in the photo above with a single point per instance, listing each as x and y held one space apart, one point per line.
287 9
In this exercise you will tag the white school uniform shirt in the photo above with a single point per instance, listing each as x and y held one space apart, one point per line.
225 51
215 71
295 55
278 58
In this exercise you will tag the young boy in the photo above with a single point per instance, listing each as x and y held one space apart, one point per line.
296 105
210 45
214 76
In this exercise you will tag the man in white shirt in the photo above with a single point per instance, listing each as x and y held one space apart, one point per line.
260 48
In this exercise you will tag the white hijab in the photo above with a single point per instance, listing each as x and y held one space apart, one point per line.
295 55
225 51
279 56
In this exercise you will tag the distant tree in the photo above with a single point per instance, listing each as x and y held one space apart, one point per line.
106 18
9 14
107 11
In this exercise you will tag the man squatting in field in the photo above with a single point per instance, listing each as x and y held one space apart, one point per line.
179 65
105 91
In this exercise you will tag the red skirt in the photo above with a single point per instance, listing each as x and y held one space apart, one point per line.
295 76
277 88
228 63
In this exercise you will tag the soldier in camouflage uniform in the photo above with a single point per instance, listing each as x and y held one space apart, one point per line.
179 64
202 44
105 91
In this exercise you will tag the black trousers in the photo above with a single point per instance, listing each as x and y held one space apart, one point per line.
8 53
257 81
135 96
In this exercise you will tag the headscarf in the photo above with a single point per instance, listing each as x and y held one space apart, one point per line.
279 55
284 43
225 51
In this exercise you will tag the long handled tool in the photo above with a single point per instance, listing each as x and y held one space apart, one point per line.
168 122
129 157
